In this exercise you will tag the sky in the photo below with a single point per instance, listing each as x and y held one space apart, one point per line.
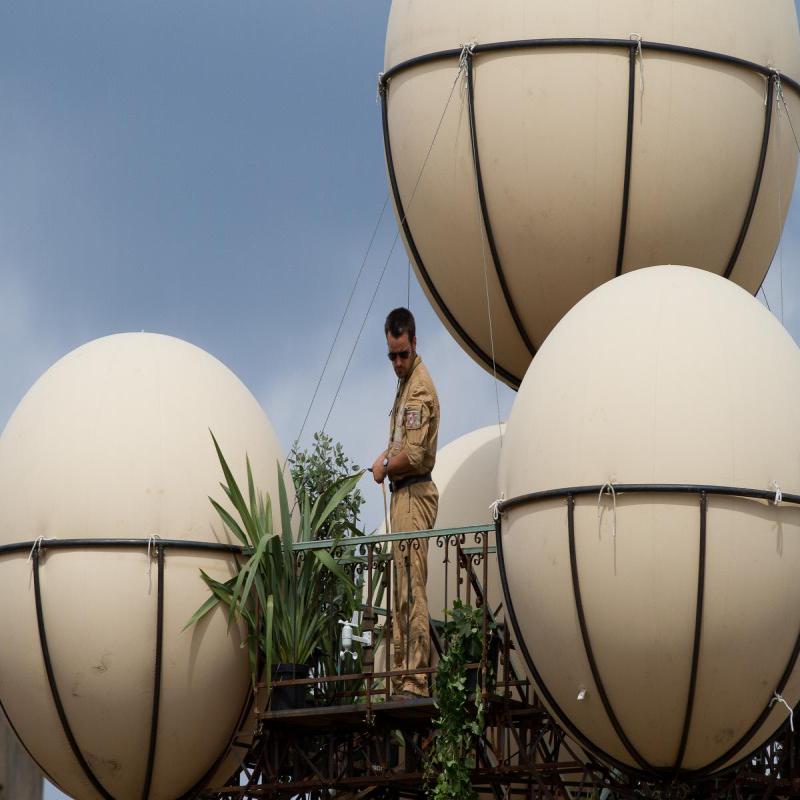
213 170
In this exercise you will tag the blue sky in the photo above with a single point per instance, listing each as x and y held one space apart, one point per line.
210 170
213 170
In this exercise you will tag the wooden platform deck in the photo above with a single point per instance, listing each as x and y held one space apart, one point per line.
399 713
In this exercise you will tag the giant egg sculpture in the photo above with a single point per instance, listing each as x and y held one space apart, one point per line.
652 573
108 692
575 141
465 475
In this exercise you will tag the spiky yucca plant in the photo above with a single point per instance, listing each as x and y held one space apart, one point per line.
275 593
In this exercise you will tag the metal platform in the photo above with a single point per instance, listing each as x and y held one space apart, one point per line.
372 745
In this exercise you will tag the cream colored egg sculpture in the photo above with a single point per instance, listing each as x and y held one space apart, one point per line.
652 573
575 141
105 471
465 475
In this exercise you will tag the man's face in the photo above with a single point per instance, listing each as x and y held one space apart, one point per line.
402 352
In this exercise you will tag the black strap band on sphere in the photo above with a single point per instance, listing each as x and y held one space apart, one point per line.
51 679
702 492
487 225
633 47
481 354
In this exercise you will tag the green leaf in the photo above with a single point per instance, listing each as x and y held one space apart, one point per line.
209 604
255 563
341 489
325 558
268 647
229 522
234 493
286 519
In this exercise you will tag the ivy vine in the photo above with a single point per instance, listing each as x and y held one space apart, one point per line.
460 720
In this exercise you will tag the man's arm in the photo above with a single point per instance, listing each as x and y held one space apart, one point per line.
378 470
419 411
417 417
398 464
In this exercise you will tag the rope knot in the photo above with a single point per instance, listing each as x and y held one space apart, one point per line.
37 545
777 698
778 493
467 52
495 507
151 543
637 37
608 488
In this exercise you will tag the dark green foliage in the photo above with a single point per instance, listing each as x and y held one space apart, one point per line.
290 602
461 719
314 471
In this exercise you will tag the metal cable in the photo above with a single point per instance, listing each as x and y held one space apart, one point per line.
764 295
344 315
779 209
782 102
482 232
394 242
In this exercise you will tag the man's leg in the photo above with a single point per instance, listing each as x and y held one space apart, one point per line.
423 499
399 614
401 521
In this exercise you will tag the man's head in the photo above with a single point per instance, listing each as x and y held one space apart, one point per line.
401 337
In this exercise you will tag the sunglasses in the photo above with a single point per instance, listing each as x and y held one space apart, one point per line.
404 354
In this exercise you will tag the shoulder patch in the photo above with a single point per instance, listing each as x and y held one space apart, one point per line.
412 418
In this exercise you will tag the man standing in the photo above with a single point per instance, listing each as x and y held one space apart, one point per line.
407 462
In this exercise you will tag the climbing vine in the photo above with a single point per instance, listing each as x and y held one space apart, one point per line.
460 720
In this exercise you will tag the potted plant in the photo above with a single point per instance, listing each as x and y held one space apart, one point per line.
460 720
277 593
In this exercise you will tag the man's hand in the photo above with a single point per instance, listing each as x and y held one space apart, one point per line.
378 470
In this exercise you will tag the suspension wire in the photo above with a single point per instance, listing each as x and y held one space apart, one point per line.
488 303
764 295
779 208
343 317
459 73
782 102
358 336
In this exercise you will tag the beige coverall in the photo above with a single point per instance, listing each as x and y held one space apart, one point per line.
414 427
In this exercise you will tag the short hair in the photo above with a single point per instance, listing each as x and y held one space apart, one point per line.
400 321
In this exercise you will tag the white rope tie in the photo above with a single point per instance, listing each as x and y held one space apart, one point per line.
776 76
37 545
608 488
778 493
467 51
151 542
495 508
779 90
637 37
777 698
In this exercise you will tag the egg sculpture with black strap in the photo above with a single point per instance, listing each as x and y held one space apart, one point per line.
650 531
536 150
465 475
106 468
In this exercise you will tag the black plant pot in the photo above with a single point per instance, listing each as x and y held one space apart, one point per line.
286 697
